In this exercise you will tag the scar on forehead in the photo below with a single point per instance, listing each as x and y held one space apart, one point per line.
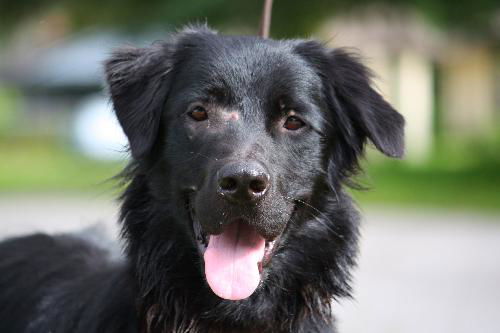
231 115
283 106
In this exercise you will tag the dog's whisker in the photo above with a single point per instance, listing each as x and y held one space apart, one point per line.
335 192
320 218
207 157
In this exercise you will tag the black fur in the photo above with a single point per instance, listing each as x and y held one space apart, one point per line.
62 284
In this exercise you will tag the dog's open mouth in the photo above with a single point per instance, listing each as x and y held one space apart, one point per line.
234 259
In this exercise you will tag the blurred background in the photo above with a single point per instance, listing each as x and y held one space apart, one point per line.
430 257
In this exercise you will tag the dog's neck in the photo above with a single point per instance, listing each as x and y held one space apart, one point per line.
178 300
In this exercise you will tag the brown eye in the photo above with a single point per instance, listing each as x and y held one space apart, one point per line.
293 123
198 114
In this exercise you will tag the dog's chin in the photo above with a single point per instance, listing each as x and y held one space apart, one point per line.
236 260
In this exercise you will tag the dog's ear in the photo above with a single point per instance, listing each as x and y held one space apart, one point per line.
138 81
360 111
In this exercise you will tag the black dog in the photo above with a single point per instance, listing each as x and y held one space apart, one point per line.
234 216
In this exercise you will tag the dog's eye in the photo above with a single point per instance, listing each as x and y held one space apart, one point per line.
198 113
293 123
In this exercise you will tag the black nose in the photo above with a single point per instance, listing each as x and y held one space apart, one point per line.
243 181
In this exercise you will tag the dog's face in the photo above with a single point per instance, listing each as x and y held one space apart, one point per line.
240 132
244 126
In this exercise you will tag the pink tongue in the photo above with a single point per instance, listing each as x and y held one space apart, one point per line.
231 261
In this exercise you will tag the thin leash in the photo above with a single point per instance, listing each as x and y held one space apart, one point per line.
265 23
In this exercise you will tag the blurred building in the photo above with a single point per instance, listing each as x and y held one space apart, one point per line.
60 80
54 76
444 84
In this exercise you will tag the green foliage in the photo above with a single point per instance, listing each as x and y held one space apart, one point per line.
290 17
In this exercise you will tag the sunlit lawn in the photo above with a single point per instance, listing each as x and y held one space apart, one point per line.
464 188
38 167
41 167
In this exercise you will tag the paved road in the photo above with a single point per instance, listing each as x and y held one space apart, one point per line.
429 272
432 272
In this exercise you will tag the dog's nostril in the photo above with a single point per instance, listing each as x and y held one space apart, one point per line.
242 182
258 185
228 184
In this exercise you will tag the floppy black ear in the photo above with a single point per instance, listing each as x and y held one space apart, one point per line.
361 112
371 115
138 81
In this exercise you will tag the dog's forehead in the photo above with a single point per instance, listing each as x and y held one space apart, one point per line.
245 63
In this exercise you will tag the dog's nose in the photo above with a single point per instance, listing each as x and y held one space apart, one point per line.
243 182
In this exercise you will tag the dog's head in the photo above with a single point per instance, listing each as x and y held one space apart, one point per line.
240 133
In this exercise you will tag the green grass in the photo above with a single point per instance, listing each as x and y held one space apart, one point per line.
45 167
446 181
472 187
461 173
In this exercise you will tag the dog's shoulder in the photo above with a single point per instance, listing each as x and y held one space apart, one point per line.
63 284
